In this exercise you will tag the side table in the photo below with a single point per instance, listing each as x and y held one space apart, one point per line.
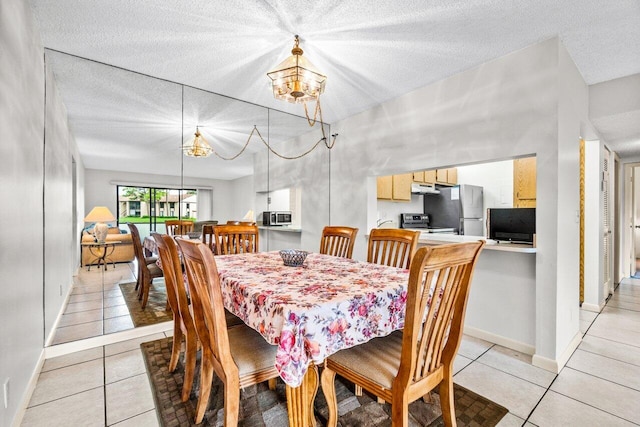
101 252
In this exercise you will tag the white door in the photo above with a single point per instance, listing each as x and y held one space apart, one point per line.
607 236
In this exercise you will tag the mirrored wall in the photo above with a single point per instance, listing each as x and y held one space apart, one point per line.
130 129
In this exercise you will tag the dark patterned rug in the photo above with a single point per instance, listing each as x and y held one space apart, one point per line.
262 407
155 311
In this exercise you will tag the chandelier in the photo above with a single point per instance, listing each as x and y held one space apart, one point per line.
296 79
197 146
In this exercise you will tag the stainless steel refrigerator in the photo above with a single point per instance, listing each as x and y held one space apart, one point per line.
459 207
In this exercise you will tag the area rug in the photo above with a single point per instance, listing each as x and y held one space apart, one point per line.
260 406
154 312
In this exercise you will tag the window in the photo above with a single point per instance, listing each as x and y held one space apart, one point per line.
147 206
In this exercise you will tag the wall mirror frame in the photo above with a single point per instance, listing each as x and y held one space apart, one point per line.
130 128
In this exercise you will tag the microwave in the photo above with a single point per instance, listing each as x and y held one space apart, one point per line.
276 218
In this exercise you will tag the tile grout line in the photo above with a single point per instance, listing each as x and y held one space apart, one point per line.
591 406
104 382
604 379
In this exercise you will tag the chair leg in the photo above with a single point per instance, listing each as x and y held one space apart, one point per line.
329 390
446 400
175 348
272 384
231 402
400 411
206 376
358 390
139 277
191 348
146 285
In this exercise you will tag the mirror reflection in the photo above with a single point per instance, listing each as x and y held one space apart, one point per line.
131 136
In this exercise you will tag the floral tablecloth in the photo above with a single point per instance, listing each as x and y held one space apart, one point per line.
313 311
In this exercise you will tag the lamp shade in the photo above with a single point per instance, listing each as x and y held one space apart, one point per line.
100 214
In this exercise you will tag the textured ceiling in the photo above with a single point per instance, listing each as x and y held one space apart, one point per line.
370 51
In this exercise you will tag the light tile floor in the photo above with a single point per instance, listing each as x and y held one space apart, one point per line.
96 306
599 386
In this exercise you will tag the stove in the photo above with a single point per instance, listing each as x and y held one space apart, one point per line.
420 222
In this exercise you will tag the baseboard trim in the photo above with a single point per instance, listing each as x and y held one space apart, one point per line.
71 347
52 333
556 366
31 386
500 340
593 307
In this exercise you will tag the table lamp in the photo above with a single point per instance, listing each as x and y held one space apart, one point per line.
100 215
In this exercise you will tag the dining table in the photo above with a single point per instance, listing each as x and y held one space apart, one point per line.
311 311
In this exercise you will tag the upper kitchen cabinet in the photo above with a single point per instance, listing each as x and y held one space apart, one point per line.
447 176
395 187
524 183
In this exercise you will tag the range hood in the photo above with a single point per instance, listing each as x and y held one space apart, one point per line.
424 189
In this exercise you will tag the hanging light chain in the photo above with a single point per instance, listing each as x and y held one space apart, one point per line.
317 112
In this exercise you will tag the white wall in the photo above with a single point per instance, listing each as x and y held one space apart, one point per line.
242 198
37 251
573 114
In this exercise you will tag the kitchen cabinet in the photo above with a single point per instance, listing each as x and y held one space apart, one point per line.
402 186
437 176
524 183
430 176
385 187
395 187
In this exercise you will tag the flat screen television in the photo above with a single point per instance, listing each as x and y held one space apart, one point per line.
516 225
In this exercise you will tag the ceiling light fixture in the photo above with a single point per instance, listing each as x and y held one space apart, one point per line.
197 146
296 79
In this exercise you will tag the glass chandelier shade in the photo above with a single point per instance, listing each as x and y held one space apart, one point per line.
296 79
197 146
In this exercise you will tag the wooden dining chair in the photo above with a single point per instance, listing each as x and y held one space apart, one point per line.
183 326
392 246
178 227
406 365
239 356
338 241
135 234
147 268
236 239
208 237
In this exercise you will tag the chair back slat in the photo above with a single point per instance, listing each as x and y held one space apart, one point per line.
236 239
178 227
437 295
338 241
208 237
392 246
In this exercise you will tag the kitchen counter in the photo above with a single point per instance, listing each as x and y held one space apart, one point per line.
443 238
501 307
284 228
